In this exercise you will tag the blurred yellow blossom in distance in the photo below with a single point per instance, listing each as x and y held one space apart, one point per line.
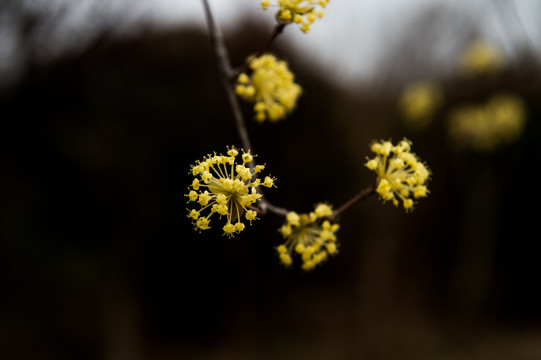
481 57
487 126
419 102
270 86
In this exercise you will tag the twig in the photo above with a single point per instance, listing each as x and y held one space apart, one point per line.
227 74
267 206
363 194
276 31
226 71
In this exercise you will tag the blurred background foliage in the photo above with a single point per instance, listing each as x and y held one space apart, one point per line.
100 262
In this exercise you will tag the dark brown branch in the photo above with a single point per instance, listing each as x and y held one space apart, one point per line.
226 71
277 31
267 206
362 195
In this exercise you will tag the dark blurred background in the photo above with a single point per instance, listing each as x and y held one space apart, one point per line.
98 259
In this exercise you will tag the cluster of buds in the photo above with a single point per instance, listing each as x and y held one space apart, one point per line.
227 188
401 175
311 236
302 12
270 86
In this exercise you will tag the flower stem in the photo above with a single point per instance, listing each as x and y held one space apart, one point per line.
277 31
362 195
226 72
267 206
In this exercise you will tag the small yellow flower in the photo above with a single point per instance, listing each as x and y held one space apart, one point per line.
485 127
419 102
481 57
302 12
270 87
225 187
401 175
311 236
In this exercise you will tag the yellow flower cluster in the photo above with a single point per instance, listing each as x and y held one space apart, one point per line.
271 87
418 103
487 126
481 57
302 12
223 186
401 175
311 235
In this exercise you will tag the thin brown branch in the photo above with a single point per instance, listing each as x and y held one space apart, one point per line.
267 206
362 195
275 32
226 72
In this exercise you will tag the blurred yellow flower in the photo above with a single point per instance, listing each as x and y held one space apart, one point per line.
271 87
485 127
481 57
419 102
311 236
